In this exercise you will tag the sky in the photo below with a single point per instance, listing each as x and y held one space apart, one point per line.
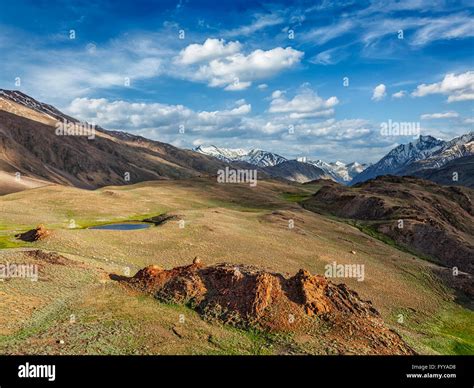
315 79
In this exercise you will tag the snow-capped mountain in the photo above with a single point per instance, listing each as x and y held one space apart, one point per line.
256 157
456 148
339 171
400 157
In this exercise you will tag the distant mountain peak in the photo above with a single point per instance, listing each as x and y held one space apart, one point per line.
339 171
255 156
425 152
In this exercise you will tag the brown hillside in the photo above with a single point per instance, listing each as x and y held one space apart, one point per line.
438 221
33 149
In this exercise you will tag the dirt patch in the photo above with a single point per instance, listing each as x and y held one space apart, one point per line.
110 193
247 296
39 233
48 257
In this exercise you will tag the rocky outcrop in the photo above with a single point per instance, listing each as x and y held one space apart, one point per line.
39 233
247 296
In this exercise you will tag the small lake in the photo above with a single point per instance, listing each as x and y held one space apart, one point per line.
123 226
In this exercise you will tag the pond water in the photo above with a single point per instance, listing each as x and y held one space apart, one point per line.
123 226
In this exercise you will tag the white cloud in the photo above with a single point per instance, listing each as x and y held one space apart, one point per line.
446 115
458 87
238 85
70 71
321 35
400 94
234 125
139 116
445 28
262 86
306 104
379 92
331 56
210 49
260 22
237 71
277 94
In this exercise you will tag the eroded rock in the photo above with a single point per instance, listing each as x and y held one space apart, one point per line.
249 296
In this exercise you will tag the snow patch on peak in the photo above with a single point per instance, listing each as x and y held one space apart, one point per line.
339 171
255 156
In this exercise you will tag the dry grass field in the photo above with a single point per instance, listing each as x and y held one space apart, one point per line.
74 307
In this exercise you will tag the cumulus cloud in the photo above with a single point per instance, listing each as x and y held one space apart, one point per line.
379 92
210 49
138 116
305 104
277 94
163 121
458 87
234 124
446 115
234 70
400 94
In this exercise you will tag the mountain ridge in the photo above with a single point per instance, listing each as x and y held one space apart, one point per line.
412 158
30 146
338 171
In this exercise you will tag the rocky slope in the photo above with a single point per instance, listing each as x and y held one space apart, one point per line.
30 146
247 296
457 172
424 153
432 220
297 171
400 157
459 147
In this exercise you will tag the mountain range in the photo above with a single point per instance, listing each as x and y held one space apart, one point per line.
420 155
295 170
339 171
29 146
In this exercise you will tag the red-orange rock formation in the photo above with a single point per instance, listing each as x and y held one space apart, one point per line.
248 296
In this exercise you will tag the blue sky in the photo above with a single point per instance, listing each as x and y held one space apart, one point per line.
314 79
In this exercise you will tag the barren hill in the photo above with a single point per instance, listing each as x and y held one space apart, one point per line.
461 169
433 220
29 145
